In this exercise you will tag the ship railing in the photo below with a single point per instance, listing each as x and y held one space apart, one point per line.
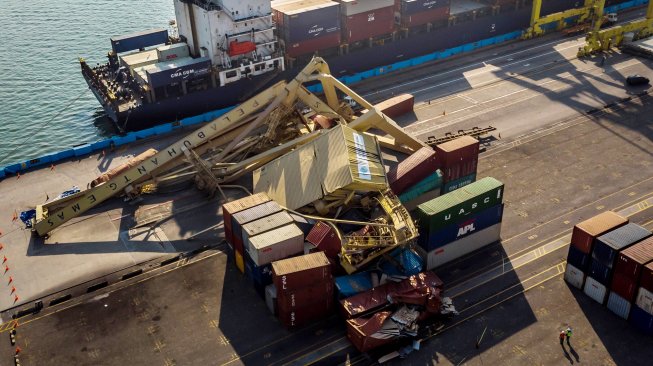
204 4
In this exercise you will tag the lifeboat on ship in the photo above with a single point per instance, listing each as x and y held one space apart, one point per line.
240 48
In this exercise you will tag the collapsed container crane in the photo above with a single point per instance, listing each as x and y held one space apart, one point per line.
259 124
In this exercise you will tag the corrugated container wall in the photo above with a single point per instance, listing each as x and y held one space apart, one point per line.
246 216
458 183
353 7
363 26
276 244
296 49
326 239
302 271
574 276
641 320
600 272
431 182
624 286
458 158
631 260
595 290
230 208
584 233
619 305
579 259
135 41
397 106
263 225
646 279
645 300
172 52
609 245
459 248
412 170
307 20
409 7
166 73
435 15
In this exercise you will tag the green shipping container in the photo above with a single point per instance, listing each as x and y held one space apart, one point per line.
455 206
458 183
430 183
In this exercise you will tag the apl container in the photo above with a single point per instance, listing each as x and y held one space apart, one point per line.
264 225
574 276
246 216
482 220
595 290
326 239
414 169
619 305
584 233
459 204
645 300
641 320
458 183
632 260
609 245
276 244
459 248
578 259
624 286
230 208
302 271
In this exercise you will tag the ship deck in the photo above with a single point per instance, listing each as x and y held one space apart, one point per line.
561 153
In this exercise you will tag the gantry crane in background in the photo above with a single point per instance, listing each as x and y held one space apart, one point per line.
584 14
244 139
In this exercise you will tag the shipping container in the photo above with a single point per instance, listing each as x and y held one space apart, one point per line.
432 182
302 271
459 248
271 299
276 244
409 7
352 7
435 15
172 52
230 208
313 45
458 183
240 262
297 317
138 60
631 260
138 40
579 259
166 73
305 296
600 272
325 237
397 106
367 25
412 170
624 286
584 233
645 300
455 206
366 333
430 240
264 225
458 157
619 305
425 197
595 290
641 320
259 275
609 245
574 276
246 216
646 278
298 21
351 285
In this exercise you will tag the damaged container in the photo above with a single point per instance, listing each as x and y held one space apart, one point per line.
326 239
411 171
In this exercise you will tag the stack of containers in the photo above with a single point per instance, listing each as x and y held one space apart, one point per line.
414 13
304 289
458 161
365 19
306 26
231 208
461 221
641 315
606 250
413 170
625 280
582 242
244 217
425 190
261 276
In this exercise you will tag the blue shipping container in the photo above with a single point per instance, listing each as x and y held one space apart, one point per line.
641 320
430 183
458 183
578 259
173 72
298 26
261 275
138 40
353 284
601 273
484 219
608 246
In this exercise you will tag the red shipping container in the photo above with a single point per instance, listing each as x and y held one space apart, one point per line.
297 317
624 286
430 16
320 292
631 260
368 24
326 239
397 106
305 270
413 170
311 45
360 331
230 208
646 280
584 233
458 158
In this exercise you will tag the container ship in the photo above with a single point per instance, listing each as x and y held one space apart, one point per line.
221 52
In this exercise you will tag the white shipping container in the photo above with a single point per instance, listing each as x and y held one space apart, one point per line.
619 305
645 300
352 7
276 244
265 224
595 290
271 298
172 52
574 276
463 246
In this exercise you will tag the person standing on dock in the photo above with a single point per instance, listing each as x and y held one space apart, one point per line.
563 334
568 332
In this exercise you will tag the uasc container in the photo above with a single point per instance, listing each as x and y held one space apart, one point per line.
276 244
302 271
584 233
